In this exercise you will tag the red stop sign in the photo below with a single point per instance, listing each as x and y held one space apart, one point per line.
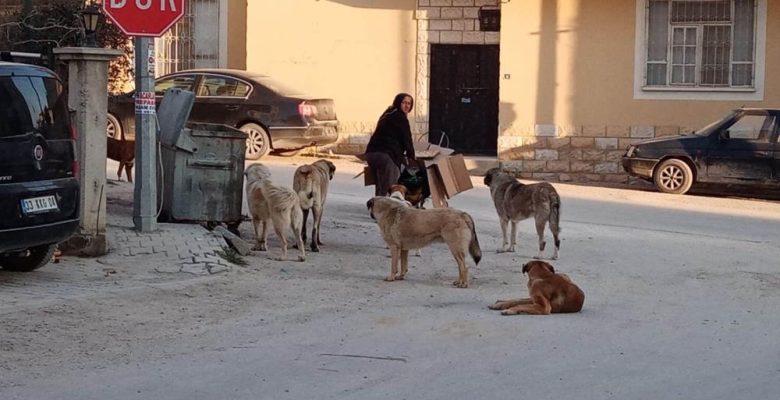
144 17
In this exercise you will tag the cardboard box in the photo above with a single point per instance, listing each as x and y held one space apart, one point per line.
447 174
454 175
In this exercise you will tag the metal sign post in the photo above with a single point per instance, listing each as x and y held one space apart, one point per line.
145 194
145 20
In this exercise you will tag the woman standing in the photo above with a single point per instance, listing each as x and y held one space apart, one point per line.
391 144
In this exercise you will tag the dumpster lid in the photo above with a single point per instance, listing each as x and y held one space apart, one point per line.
173 113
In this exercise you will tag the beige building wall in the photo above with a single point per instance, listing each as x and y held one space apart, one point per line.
359 52
568 108
236 34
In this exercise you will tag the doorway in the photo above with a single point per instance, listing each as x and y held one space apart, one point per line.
464 97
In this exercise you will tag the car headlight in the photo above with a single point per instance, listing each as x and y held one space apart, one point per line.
631 151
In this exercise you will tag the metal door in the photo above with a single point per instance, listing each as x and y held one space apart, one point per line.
464 97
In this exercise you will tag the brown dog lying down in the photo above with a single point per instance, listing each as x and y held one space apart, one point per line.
550 293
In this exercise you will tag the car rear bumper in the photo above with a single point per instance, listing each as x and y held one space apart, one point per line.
26 237
641 167
20 231
295 138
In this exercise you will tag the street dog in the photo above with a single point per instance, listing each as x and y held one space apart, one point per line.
124 152
404 228
279 205
311 183
515 201
550 293
398 192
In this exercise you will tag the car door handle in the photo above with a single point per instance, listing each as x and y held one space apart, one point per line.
232 108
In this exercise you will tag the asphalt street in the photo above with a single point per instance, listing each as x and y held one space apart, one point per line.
681 302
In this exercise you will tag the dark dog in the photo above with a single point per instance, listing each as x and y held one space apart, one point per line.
124 152
550 293
516 201
415 180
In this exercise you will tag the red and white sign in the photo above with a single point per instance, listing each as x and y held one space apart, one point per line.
145 103
144 17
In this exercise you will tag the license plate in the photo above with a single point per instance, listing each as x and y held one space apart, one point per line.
39 204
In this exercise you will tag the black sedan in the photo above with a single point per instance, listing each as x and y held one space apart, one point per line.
273 116
741 148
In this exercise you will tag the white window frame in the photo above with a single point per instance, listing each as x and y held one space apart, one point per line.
641 92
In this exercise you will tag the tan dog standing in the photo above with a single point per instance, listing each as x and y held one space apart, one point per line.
311 183
550 293
404 228
515 201
279 205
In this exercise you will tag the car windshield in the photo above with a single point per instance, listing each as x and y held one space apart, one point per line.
707 129
278 87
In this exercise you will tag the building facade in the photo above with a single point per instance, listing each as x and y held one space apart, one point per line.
556 91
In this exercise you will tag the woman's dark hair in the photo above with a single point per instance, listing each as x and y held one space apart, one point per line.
399 98
396 105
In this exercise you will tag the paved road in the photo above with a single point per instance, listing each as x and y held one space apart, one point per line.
681 300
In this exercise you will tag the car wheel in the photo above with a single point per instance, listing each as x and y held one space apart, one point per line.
673 176
113 129
28 260
258 143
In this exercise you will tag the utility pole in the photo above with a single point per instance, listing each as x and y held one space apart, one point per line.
145 193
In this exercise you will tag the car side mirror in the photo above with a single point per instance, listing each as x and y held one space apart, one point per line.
724 135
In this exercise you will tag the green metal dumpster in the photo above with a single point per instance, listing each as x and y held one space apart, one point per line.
202 175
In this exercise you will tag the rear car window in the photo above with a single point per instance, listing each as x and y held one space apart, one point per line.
184 82
33 104
223 86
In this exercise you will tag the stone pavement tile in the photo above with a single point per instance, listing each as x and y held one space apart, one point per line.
173 247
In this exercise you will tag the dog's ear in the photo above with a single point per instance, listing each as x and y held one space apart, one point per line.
370 204
489 176
526 267
331 168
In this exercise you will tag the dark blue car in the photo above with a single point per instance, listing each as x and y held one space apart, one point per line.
739 149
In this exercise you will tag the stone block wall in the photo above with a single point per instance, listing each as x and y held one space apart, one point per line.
575 153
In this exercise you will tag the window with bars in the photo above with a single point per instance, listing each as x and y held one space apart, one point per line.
700 44
192 42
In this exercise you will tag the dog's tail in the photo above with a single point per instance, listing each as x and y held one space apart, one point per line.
304 186
474 250
555 217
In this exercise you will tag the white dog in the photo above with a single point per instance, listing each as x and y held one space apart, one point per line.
278 204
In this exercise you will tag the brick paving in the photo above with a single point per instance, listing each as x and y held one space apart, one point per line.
180 247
